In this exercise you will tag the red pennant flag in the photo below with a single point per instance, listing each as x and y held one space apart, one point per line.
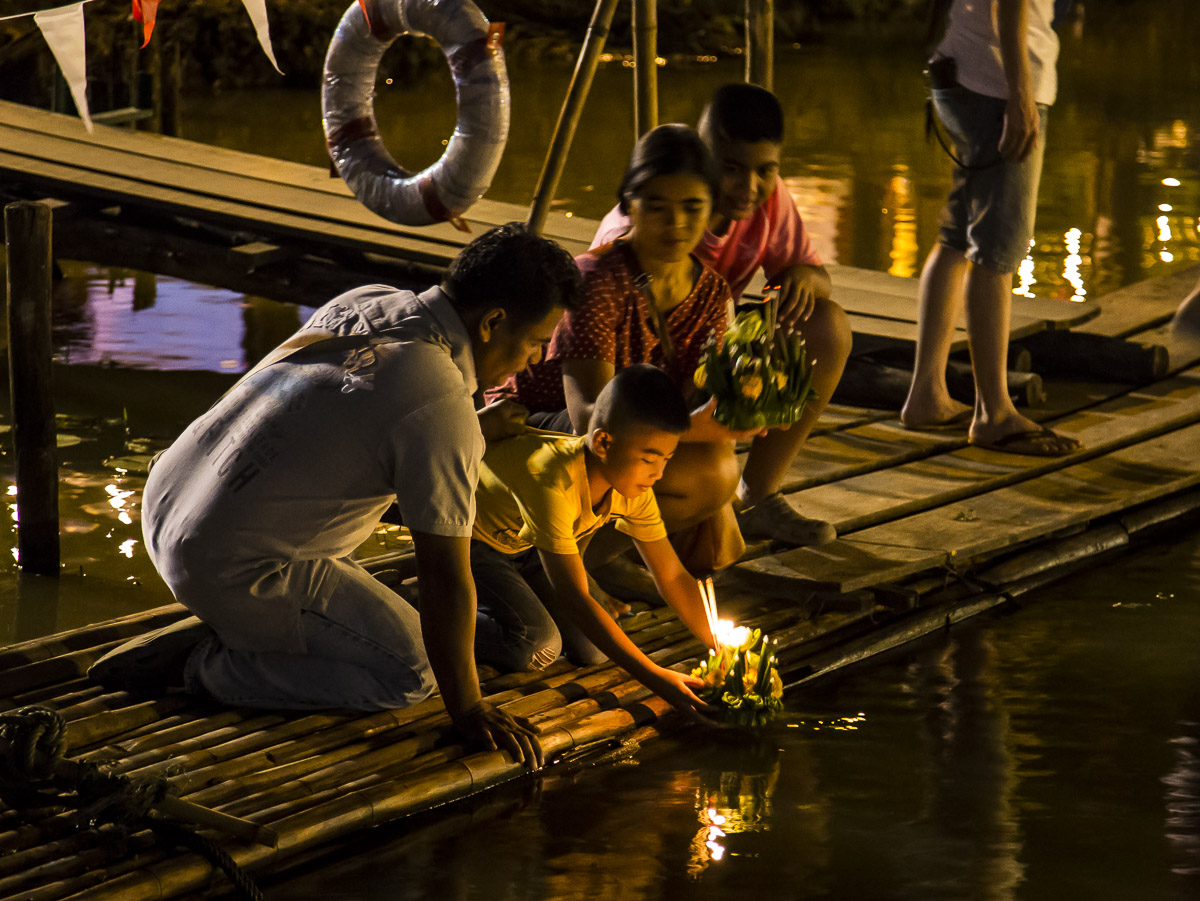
145 11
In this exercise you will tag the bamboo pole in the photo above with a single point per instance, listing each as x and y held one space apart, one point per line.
88 636
760 43
568 117
26 678
645 66
30 279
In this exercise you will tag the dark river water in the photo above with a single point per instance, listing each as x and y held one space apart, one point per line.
1053 753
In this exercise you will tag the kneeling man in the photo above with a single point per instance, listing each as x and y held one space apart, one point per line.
252 515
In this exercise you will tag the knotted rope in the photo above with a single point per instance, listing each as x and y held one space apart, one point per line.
34 774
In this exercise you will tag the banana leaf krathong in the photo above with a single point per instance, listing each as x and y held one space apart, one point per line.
759 376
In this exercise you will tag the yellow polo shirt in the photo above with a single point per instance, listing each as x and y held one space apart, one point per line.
533 492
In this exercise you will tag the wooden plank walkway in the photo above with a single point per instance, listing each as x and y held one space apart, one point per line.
932 532
296 209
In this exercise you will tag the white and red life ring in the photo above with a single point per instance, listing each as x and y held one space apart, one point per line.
444 191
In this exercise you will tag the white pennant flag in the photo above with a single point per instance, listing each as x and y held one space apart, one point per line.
258 15
62 28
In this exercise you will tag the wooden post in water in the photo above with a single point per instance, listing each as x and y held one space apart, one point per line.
27 241
156 86
172 74
645 66
760 43
568 117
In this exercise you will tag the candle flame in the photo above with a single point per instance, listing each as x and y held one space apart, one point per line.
731 635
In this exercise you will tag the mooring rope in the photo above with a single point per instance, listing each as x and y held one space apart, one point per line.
34 774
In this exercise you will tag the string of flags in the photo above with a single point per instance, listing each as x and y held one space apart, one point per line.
63 30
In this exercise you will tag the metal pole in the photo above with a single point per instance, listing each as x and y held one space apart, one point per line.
645 66
760 43
568 117
27 242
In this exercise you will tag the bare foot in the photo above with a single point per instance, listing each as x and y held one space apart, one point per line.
933 415
1042 441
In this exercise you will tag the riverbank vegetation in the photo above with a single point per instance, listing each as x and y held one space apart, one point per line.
218 49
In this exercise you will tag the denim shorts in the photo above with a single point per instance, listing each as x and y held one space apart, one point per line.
990 212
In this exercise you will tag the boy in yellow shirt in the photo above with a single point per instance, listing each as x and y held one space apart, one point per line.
541 495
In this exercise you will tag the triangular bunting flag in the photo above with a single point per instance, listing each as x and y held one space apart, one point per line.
258 15
62 28
145 11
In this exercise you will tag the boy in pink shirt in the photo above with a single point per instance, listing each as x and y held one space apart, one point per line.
755 224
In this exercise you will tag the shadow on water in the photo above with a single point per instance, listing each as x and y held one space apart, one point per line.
1047 755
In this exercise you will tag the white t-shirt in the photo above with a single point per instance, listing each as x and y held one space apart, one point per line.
295 465
972 39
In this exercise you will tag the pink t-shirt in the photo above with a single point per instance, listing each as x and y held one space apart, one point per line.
773 236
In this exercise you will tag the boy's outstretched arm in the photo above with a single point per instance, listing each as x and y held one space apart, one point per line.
448 629
799 287
568 578
677 586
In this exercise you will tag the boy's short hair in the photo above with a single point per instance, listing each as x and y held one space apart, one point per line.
641 395
524 274
742 112
670 149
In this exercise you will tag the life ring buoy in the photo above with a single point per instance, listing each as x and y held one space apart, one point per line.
445 190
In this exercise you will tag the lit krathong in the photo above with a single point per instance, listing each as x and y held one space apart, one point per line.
741 684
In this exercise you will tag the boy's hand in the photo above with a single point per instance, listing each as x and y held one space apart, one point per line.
493 728
798 289
501 419
676 689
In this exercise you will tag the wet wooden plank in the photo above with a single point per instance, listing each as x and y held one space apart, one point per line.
1143 305
120 152
861 501
1056 313
874 293
950 534
227 213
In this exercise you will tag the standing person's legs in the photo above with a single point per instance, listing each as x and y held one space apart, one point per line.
985 232
941 299
363 652
513 629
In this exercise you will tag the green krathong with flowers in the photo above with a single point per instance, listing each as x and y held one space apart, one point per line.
741 684
759 376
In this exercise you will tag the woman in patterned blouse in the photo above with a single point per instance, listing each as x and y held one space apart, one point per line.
647 299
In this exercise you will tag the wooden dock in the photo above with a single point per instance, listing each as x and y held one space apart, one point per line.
931 532
290 232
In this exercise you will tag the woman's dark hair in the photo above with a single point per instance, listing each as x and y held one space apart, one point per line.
667 150
742 112
524 274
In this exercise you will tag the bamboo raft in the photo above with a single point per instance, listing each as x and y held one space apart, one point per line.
932 532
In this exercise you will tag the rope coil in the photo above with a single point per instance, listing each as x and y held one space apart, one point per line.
34 775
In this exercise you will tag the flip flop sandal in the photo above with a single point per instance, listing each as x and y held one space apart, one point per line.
1041 442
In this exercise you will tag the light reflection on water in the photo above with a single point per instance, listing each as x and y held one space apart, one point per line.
1051 754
